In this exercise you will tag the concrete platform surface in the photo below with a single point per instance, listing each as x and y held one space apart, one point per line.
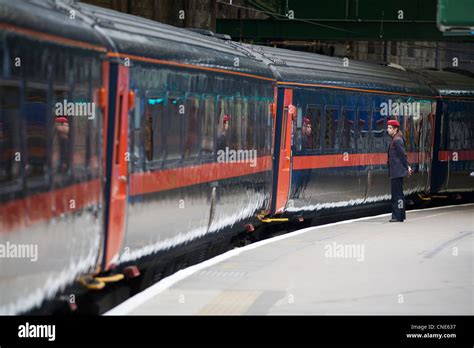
362 266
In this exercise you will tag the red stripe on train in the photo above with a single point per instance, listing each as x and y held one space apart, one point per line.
350 160
463 155
142 183
24 212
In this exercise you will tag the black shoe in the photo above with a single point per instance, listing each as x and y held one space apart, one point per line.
395 220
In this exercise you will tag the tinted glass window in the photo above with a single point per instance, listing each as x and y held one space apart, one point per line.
378 131
191 127
10 156
363 125
36 131
331 127
207 126
153 127
348 128
79 124
61 159
313 112
248 124
175 112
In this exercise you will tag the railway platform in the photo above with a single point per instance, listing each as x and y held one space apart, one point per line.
365 266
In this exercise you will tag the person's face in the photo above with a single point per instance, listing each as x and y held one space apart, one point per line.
226 126
63 129
391 130
307 129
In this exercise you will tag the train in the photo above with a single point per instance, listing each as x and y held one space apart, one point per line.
111 172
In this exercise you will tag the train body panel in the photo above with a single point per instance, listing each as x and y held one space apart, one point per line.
156 170
346 162
50 172
453 158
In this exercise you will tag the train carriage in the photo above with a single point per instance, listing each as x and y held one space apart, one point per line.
113 150
453 159
348 104
51 165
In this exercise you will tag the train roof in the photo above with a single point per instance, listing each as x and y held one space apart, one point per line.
126 34
450 83
144 37
44 17
311 68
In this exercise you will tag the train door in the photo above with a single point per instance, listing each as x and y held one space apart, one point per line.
282 154
116 163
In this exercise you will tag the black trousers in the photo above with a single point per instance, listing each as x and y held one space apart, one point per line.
398 199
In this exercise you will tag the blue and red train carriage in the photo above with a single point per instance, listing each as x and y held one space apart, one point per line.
137 180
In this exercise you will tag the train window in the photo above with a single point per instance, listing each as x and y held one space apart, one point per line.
363 123
226 107
78 124
191 127
378 130
136 131
268 128
61 135
10 155
153 127
417 132
331 127
36 131
248 124
207 126
408 134
313 112
95 128
175 111
263 114
236 133
226 138
348 128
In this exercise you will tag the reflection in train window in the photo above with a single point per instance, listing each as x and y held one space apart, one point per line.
263 113
61 136
408 134
175 112
236 122
79 125
136 131
248 124
153 137
191 127
378 130
9 134
207 127
348 128
331 127
95 125
36 122
417 132
363 123
313 112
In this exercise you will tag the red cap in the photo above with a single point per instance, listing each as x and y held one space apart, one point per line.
306 121
61 119
226 118
393 123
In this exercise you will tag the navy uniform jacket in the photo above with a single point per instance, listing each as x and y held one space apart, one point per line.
397 158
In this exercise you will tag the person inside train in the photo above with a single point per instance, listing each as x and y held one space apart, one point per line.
61 143
307 138
398 168
222 138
